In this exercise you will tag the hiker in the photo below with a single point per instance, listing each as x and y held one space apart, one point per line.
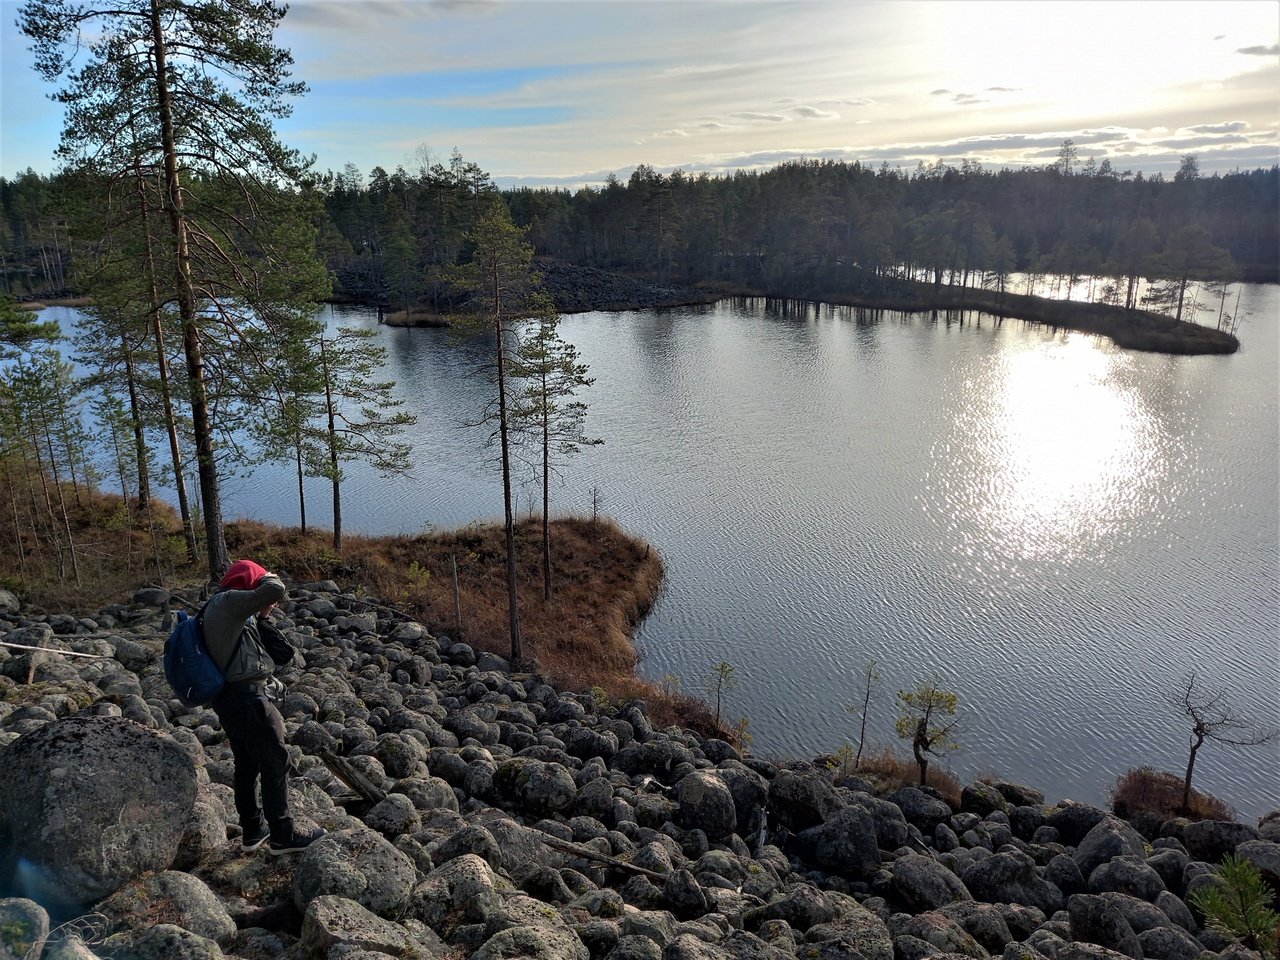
248 647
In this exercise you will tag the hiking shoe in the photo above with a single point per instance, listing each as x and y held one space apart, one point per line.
300 840
254 839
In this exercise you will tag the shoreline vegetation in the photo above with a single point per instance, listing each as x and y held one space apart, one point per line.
586 289
576 289
605 579
581 641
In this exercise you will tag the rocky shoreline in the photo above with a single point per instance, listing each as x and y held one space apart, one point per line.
475 811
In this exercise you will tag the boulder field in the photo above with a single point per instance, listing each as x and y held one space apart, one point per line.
475 811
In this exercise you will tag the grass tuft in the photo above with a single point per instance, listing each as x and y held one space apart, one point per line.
890 771
1150 791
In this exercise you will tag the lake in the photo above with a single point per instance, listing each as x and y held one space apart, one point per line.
1057 528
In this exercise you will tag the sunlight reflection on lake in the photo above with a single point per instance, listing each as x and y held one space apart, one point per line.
1059 528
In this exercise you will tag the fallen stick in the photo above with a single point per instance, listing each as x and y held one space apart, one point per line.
586 854
65 653
353 778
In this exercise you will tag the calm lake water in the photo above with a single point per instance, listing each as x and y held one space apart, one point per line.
1058 528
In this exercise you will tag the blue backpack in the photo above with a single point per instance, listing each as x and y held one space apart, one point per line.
192 673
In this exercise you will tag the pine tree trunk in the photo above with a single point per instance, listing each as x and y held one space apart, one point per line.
162 361
1186 783
215 542
333 450
513 618
546 492
302 497
135 419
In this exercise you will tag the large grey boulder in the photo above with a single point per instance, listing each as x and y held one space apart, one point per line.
892 831
1073 820
846 843
180 896
1109 838
1265 855
1010 877
940 932
1169 943
858 934
359 865
802 906
920 809
535 786
802 799
1126 874
9 603
541 942
750 790
985 922
89 803
1211 840
463 890
334 922
982 799
922 883
1170 864
1094 919
706 804
1140 914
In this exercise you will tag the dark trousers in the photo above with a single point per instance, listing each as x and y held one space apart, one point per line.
256 732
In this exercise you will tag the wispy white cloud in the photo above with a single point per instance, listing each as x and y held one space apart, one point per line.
551 88
1228 126
815 113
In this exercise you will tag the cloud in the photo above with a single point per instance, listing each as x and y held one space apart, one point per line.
851 102
713 125
1228 126
1003 89
669 134
762 117
813 113
1185 143
940 92
967 99
1260 51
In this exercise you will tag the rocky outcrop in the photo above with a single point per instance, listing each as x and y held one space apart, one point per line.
500 817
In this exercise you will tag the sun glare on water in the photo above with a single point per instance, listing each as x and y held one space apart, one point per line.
1049 460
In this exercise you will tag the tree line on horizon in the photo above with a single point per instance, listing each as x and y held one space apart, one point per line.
391 238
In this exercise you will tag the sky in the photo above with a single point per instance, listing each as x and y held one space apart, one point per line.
564 92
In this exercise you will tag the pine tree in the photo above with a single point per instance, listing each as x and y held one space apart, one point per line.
504 289
361 420
548 408
189 89
927 718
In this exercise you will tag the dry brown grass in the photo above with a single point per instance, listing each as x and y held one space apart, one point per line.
117 547
605 581
892 772
1150 791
